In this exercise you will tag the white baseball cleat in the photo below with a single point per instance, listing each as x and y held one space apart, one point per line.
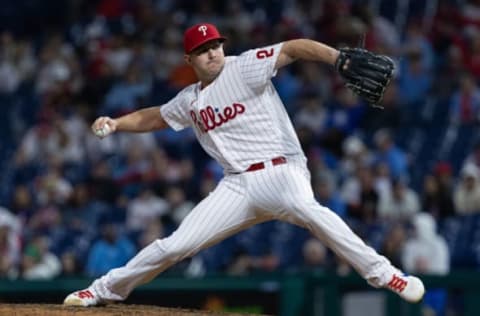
83 298
409 288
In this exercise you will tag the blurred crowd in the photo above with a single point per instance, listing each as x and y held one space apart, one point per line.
405 178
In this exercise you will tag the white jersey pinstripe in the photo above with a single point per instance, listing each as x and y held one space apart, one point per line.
252 124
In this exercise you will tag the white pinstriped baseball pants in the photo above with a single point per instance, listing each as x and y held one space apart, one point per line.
280 192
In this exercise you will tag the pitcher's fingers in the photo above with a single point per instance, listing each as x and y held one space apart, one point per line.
99 122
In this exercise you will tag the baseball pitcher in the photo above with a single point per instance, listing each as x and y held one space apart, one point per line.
241 122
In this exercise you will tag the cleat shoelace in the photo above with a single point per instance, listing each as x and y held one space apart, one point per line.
85 294
396 283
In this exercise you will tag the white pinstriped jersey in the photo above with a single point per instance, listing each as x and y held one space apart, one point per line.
239 118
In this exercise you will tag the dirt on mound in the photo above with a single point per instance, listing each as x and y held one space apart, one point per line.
110 310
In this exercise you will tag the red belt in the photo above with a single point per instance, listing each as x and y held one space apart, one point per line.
261 165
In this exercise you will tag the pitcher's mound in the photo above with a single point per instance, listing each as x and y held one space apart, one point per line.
110 310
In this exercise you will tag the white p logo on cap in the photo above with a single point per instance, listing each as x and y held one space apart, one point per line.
203 29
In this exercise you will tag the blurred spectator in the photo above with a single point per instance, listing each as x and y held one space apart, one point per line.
470 11
383 180
153 230
472 55
127 94
314 255
181 76
256 250
286 242
465 102
165 169
325 190
401 204
207 185
360 196
98 149
56 58
321 161
314 78
99 75
131 170
350 29
389 117
452 66
393 244
342 267
205 11
355 155
288 86
473 158
246 264
52 187
9 253
39 143
109 252
9 219
389 153
237 17
119 55
46 219
312 114
427 253
444 173
467 191
10 244
82 213
113 9
22 204
436 199
178 204
415 76
10 77
144 143
70 265
447 24
307 139
345 113
381 35
176 144
414 83
38 262
159 165
73 130
144 208
101 184
169 54
416 41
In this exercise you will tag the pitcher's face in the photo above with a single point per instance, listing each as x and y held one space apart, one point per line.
207 60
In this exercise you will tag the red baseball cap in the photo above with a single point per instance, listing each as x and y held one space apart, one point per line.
198 35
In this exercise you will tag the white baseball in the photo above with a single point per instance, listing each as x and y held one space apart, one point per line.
104 131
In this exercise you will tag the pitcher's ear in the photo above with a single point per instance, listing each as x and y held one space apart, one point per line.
188 59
